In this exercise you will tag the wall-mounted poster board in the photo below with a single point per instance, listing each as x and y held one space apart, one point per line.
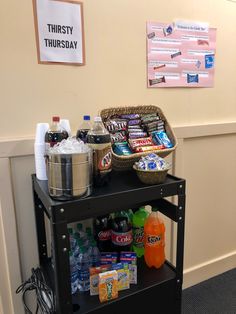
180 54
59 31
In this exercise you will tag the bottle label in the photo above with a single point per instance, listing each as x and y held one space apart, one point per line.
138 234
121 238
104 235
104 158
155 240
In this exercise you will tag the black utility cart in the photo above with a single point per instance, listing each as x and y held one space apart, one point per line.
158 290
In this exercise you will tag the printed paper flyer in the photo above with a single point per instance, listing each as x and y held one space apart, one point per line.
181 54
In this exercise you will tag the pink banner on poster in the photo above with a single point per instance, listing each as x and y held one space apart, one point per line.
181 54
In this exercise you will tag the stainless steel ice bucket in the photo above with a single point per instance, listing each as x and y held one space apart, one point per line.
69 175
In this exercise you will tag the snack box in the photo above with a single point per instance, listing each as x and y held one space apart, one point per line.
123 275
108 258
94 277
108 286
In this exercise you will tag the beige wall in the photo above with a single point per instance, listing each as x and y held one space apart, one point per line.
115 74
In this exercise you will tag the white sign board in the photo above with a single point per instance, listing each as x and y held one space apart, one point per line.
59 31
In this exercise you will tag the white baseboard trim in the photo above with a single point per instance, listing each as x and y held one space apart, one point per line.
194 275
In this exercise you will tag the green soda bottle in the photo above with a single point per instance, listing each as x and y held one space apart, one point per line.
139 219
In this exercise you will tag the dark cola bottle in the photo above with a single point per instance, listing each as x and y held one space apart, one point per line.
102 232
121 232
55 134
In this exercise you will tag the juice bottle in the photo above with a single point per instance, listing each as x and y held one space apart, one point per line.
154 240
139 218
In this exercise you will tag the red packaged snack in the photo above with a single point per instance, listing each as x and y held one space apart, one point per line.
148 148
139 142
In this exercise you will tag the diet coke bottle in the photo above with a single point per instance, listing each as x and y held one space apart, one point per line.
121 233
102 232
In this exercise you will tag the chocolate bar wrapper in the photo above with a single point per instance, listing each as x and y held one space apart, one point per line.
118 137
134 127
116 125
146 141
130 116
134 122
148 148
135 135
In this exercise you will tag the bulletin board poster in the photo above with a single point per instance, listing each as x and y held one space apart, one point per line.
180 54
59 31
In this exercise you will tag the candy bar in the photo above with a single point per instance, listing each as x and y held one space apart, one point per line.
130 116
134 127
148 148
121 149
163 138
140 142
108 286
118 137
116 125
134 122
94 277
135 135
151 162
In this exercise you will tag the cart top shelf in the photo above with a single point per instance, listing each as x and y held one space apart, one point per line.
124 191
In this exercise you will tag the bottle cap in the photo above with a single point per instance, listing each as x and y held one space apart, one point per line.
79 226
87 118
70 230
56 119
97 119
154 209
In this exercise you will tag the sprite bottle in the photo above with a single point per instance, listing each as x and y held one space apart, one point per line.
139 219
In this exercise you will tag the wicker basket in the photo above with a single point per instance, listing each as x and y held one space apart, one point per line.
151 177
123 163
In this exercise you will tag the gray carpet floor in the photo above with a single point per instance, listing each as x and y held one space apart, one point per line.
214 296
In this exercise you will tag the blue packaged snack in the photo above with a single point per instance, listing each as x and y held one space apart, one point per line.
128 257
122 149
192 78
108 258
151 165
163 138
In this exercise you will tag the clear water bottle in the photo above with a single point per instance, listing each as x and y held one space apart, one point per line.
83 129
72 239
94 254
77 251
73 274
83 264
80 233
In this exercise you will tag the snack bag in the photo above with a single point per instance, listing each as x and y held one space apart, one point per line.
108 286
131 259
123 275
94 277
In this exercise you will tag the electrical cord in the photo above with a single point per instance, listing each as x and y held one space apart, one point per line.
44 294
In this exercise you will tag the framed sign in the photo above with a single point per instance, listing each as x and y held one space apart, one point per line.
59 31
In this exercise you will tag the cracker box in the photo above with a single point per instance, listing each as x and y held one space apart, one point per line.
108 286
94 277
123 275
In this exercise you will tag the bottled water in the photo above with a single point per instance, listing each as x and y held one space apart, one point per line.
83 265
94 254
73 274
72 239
77 251
80 233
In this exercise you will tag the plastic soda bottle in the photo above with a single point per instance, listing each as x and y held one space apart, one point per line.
154 240
83 129
139 218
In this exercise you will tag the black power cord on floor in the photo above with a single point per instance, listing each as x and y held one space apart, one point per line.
44 294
